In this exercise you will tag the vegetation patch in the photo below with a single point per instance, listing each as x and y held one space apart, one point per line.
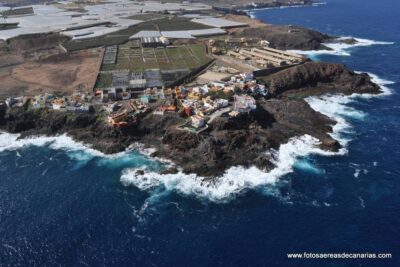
170 58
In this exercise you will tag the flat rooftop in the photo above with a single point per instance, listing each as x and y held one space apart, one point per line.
219 23
191 34
145 34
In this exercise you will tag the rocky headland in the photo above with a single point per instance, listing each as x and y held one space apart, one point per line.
229 141
286 37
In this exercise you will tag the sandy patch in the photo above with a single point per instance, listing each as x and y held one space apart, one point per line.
64 73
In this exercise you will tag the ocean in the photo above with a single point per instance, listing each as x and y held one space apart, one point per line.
62 204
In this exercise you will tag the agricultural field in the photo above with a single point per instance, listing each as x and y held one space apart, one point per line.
146 16
173 62
8 26
103 80
170 58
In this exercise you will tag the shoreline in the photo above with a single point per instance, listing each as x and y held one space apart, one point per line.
246 141
260 6
274 122
224 187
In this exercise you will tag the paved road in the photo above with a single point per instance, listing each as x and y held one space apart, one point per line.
217 114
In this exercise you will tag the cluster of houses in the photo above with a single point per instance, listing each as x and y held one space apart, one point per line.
243 83
117 94
127 114
197 103
124 109
248 84
77 102
204 106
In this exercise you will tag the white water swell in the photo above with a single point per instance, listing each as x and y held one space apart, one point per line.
252 12
77 151
236 180
341 49
383 84
11 142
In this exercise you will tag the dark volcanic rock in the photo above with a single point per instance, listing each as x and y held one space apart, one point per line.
3 111
18 120
238 141
315 78
298 116
290 37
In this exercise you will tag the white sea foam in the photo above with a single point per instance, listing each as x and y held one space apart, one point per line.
319 4
252 12
237 179
63 142
76 150
341 49
337 107
383 84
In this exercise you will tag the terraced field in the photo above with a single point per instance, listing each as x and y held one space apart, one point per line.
172 62
170 58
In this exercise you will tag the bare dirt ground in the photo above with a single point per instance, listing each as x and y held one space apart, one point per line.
210 76
59 73
10 59
254 23
233 63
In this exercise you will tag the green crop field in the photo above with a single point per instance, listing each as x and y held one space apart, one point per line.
103 80
8 26
133 59
146 16
199 51
170 58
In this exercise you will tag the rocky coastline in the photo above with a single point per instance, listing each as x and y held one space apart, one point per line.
238 141
287 37
240 7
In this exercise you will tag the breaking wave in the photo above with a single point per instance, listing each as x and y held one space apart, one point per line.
236 180
135 155
341 49
383 84
252 12
337 107
290 155
10 141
